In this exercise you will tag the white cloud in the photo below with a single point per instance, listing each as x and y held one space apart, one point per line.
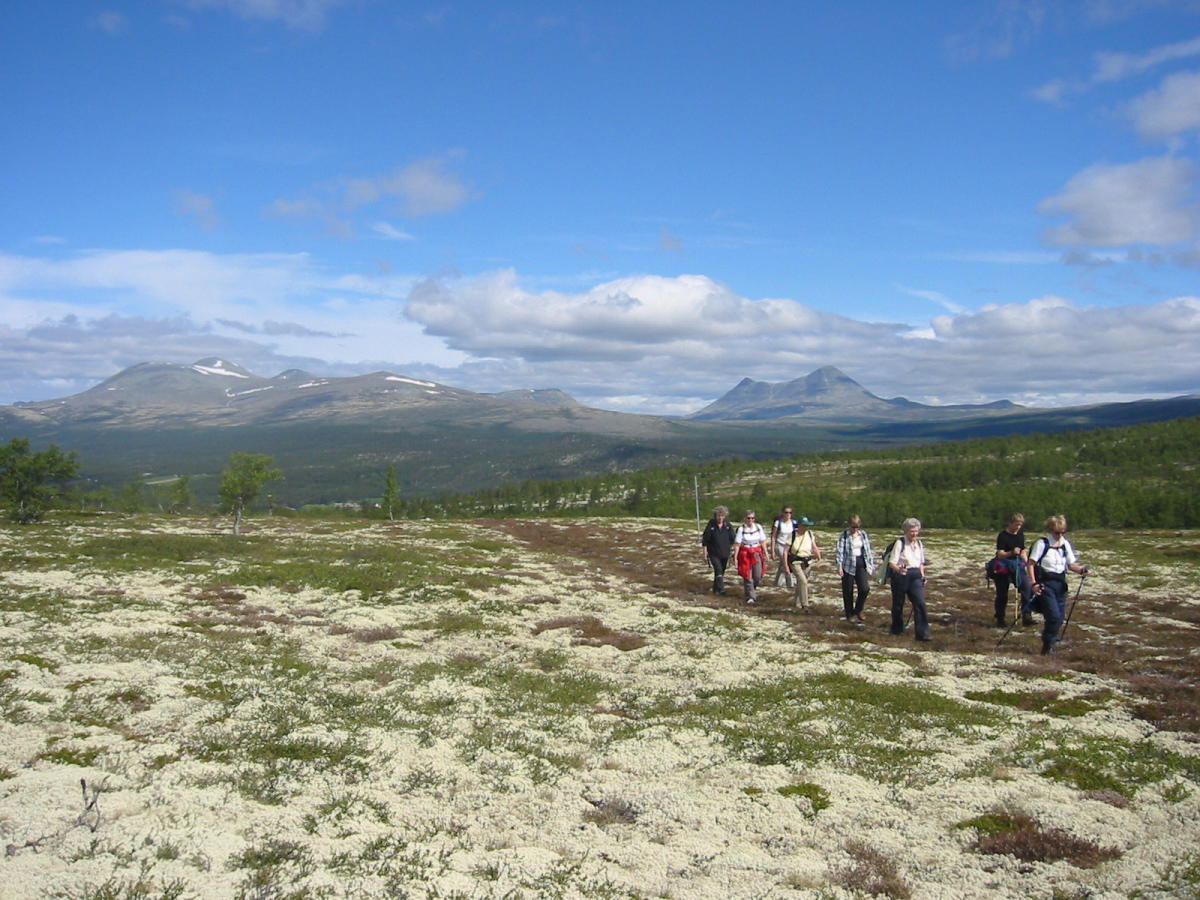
303 14
679 340
1172 109
643 343
117 308
391 232
426 187
1118 66
1113 67
933 297
1146 202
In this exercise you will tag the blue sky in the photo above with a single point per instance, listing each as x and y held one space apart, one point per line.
638 203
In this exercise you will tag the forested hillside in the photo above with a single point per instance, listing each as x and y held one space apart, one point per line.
1140 476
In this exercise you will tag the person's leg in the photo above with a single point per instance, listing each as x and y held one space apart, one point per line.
800 598
864 586
1025 592
916 596
848 594
718 567
756 577
897 605
1053 596
1001 605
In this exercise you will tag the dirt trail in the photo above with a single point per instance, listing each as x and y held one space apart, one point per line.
1150 642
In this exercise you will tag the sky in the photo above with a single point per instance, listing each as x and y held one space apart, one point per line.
639 203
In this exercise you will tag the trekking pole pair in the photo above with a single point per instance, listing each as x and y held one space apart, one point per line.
1070 612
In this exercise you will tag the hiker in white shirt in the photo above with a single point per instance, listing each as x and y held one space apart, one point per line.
906 568
750 550
1050 558
782 530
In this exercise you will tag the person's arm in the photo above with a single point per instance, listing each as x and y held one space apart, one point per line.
1073 562
894 560
1031 573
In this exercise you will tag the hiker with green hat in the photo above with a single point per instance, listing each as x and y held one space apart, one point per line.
802 552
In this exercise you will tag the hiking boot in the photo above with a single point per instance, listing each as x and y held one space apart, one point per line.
1027 620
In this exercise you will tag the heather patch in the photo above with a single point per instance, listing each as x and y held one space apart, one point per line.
518 709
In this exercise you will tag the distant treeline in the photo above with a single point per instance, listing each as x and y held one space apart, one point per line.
1143 476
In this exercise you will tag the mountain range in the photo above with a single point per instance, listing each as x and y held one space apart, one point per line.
829 394
335 437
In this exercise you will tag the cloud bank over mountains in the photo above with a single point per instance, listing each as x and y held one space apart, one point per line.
642 344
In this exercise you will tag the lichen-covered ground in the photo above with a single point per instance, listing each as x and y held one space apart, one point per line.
562 709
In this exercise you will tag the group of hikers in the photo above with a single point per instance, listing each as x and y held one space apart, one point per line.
1038 573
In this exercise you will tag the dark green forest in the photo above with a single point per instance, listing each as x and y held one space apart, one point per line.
1143 476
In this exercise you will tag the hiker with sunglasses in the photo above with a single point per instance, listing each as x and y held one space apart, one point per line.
1050 558
750 551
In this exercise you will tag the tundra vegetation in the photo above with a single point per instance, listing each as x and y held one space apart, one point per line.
559 708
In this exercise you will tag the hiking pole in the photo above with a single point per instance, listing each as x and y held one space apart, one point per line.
1007 630
1082 579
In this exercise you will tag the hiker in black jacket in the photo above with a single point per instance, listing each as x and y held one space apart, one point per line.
717 540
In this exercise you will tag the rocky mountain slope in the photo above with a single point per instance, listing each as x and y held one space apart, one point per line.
829 394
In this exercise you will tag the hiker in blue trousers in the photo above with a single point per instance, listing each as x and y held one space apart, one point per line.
1050 558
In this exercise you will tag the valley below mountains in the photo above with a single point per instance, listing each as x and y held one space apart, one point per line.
335 437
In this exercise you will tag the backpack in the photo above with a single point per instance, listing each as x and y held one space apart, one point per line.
885 571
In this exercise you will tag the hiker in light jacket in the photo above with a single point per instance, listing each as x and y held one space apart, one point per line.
802 553
856 565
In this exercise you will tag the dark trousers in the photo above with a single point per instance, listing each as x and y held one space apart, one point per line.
1052 603
1003 582
909 587
858 578
718 566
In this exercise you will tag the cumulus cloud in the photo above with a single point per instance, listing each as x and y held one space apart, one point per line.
273 308
684 341
1172 109
1146 202
640 344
